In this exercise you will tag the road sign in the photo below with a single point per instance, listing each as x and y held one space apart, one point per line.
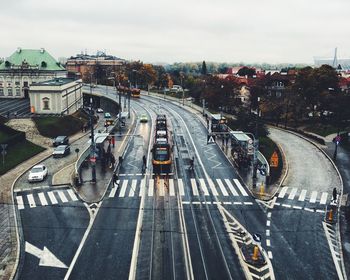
93 159
274 159
257 237
211 139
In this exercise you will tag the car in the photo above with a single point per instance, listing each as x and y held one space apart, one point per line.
61 151
60 140
107 115
99 110
38 173
143 118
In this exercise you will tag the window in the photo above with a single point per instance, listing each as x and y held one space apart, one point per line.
9 92
46 103
18 92
1 92
17 84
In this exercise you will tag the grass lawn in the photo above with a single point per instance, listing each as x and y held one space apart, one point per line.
54 126
18 153
267 147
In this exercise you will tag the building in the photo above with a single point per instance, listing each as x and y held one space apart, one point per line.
57 96
89 66
25 67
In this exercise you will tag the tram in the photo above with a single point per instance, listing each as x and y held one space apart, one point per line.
134 92
162 147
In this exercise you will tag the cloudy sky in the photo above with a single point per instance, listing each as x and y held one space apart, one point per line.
273 31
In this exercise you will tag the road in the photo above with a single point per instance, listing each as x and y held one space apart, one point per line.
184 225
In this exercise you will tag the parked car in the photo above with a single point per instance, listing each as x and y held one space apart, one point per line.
176 88
60 140
143 118
99 110
107 115
37 173
61 151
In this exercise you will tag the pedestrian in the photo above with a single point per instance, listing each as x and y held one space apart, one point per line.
144 162
112 160
334 194
115 179
113 141
227 138
191 163
223 140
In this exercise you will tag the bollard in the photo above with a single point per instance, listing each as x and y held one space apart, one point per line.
255 256
330 215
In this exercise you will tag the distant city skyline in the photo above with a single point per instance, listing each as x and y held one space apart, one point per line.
160 31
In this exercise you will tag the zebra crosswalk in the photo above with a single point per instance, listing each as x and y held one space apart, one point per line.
196 187
313 197
44 198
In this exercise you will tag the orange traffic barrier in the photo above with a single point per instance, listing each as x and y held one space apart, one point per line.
255 256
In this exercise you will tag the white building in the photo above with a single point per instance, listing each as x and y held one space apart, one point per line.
25 67
57 96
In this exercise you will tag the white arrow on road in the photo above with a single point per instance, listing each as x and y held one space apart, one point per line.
46 257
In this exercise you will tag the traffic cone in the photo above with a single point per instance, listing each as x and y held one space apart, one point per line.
255 256
330 215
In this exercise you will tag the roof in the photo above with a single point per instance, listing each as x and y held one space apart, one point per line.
240 136
55 82
29 59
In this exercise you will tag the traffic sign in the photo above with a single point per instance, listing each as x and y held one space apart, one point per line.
274 159
211 139
93 159
257 237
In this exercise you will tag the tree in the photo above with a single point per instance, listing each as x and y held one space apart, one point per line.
246 71
204 68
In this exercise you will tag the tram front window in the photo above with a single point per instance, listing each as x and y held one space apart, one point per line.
161 154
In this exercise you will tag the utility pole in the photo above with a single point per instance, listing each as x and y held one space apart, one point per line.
92 146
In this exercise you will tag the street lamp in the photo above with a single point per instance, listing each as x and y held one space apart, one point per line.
92 146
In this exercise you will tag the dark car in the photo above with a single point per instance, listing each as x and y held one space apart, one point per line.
61 151
60 140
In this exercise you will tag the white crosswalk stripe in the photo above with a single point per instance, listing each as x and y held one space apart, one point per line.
171 187
114 189
283 192
230 186
52 198
194 187
62 196
292 193
161 187
133 188
20 203
72 195
42 199
313 197
150 187
212 187
324 198
180 184
142 186
31 201
302 195
203 187
240 187
222 187
123 189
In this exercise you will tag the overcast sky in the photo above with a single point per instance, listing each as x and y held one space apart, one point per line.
272 31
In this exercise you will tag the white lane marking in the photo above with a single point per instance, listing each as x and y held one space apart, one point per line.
269 253
237 203
292 193
212 187
269 215
52 198
185 202
320 211
31 201
277 203
267 232
240 187
287 205
194 187
313 197
268 242
20 203
62 196
171 187
248 203
180 184
208 202
203 187
283 192
227 202
268 223
114 189
161 187
324 198
150 187
196 202
230 186
42 198
133 188
302 195
308 209
123 189
72 195
142 186
297 207
222 187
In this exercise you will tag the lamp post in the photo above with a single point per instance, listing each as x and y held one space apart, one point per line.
92 146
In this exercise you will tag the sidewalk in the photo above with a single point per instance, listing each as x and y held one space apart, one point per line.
8 235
